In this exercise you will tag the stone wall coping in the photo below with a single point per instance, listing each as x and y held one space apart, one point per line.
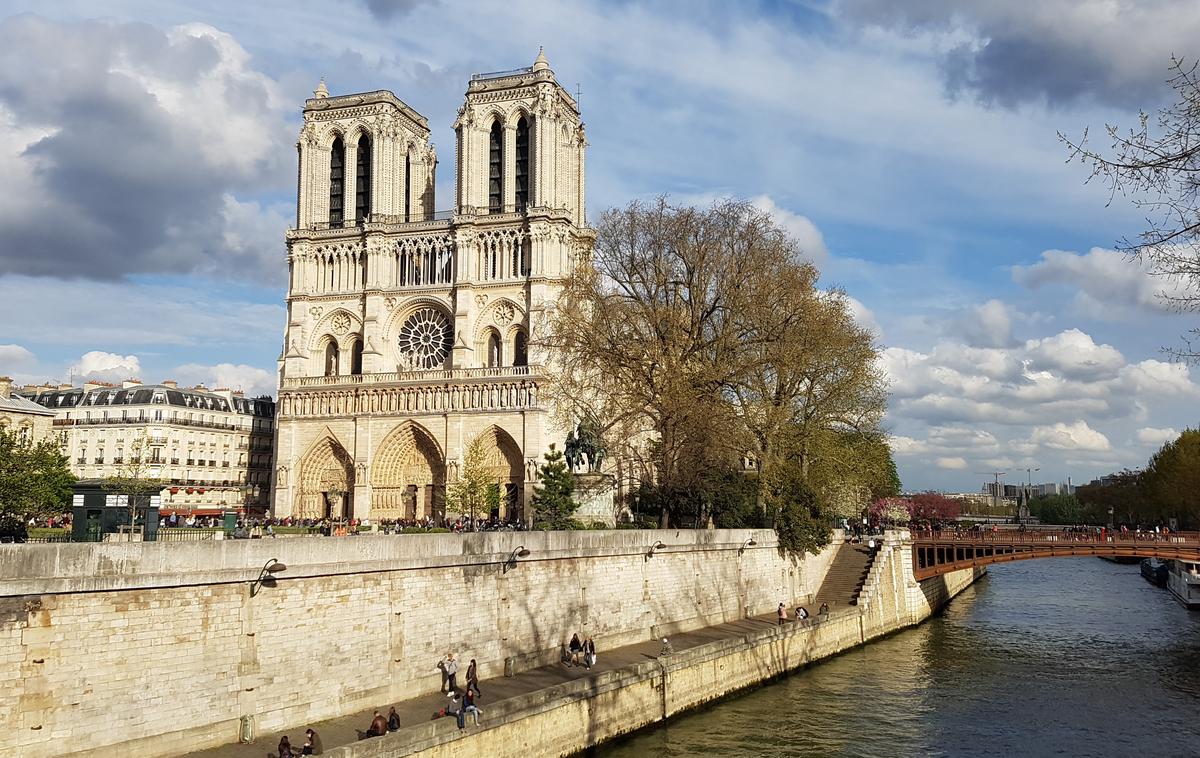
96 567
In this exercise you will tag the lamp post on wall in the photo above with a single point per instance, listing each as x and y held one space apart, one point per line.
1028 486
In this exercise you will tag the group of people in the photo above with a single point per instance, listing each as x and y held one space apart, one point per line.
380 725
461 703
312 745
802 614
579 652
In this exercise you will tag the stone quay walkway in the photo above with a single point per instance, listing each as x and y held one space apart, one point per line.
343 730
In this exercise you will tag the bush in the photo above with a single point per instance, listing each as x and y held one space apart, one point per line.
12 528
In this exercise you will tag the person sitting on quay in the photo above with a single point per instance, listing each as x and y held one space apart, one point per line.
823 610
801 614
393 720
576 648
312 743
667 648
284 748
468 706
378 727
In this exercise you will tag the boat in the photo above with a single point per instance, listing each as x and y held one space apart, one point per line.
1154 570
1183 580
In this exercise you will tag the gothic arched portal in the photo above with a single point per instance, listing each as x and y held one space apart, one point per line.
408 478
326 482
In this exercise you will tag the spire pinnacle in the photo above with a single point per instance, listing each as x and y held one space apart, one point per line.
540 63
321 91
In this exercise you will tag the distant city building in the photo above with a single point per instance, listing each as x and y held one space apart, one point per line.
211 448
29 420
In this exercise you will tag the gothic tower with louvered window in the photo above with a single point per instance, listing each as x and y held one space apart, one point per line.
409 330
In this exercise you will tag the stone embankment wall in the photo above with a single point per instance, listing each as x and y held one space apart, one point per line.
572 717
152 649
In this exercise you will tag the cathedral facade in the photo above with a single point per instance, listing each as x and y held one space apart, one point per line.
411 333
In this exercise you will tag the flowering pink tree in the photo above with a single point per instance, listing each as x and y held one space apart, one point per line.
930 506
891 510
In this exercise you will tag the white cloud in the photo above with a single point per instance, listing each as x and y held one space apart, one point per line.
801 228
106 367
1109 285
252 380
1151 436
1075 355
13 357
989 325
954 463
1077 436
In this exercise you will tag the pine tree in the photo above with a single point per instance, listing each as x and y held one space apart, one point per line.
553 505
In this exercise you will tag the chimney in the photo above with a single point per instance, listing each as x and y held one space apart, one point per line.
239 393
5 387
130 383
170 383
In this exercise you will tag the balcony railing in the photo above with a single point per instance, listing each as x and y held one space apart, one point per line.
435 375
176 421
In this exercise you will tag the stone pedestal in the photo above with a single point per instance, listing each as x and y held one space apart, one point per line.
594 493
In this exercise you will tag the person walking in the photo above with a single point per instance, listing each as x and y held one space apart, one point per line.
473 677
589 653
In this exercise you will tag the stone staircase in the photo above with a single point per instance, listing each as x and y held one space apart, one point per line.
845 578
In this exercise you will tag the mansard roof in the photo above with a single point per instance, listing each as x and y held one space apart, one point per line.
151 394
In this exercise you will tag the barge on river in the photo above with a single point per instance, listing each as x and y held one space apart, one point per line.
1183 579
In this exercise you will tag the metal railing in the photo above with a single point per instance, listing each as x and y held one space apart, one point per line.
1054 537
502 74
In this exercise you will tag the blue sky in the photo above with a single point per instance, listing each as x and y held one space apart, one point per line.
911 148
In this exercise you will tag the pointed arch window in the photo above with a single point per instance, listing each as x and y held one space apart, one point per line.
522 169
521 349
356 358
408 187
337 175
496 168
362 179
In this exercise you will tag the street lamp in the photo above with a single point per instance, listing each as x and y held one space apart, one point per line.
748 543
1028 487
511 562
266 577
658 545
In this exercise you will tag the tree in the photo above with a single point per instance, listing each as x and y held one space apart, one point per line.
553 506
34 480
1172 479
698 336
891 510
469 495
1159 168
132 479
1059 509
933 507
801 524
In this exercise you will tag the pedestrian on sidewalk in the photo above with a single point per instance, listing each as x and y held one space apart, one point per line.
782 612
393 722
589 653
576 648
473 677
450 669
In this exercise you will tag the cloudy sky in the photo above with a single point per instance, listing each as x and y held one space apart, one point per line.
148 157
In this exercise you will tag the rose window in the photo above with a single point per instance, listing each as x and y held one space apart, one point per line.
425 340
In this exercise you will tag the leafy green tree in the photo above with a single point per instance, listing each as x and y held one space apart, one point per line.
801 524
469 496
553 506
1058 509
34 479
1172 479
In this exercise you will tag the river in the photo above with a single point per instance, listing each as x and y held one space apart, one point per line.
1053 657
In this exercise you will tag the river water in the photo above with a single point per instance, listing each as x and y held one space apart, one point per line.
1054 657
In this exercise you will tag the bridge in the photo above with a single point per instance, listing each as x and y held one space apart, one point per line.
940 552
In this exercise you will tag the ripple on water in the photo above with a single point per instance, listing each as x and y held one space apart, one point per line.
1073 657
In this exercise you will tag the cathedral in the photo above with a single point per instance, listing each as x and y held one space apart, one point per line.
411 333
